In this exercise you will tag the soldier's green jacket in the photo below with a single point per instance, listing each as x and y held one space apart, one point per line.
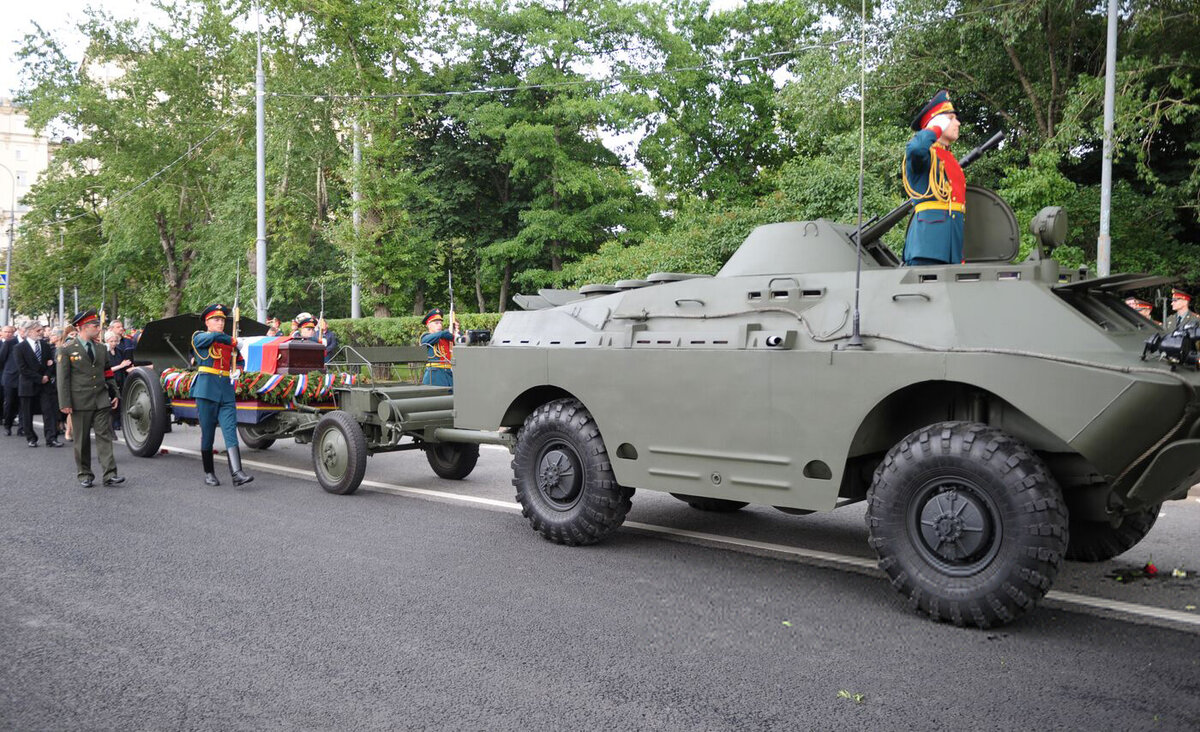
82 384
1175 322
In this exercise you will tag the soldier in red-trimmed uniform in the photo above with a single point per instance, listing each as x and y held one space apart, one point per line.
216 401
935 184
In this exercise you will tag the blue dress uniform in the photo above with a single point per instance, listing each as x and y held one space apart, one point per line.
934 182
216 355
440 360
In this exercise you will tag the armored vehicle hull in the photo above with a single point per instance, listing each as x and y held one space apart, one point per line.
994 410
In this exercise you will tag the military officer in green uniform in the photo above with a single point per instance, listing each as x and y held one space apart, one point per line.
217 359
1182 315
87 394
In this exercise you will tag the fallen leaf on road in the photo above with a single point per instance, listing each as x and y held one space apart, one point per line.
856 698
787 623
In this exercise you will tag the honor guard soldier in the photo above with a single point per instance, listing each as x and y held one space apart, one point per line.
934 182
217 357
440 345
87 393
1181 315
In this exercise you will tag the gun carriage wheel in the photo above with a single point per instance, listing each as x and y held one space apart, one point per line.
968 523
565 483
339 453
452 460
255 436
143 412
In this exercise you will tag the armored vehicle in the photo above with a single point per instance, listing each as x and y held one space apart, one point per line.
997 416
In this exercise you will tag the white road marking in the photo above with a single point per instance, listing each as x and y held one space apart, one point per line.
1055 598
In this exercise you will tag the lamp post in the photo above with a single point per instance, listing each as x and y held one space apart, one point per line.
12 228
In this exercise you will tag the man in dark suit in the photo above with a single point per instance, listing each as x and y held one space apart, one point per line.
9 377
8 337
35 361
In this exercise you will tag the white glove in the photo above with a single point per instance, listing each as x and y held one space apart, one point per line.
234 374
941 121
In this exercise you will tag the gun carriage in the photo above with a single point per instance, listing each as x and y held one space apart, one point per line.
346 423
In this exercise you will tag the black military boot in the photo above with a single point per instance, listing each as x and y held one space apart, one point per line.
210 475
235 466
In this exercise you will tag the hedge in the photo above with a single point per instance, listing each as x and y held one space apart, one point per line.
405 331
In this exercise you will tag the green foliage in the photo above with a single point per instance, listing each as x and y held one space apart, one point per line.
404 331
602 140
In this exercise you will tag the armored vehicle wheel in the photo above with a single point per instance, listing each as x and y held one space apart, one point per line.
564 481
1098 541
339 452
716 505
143 413
968 523
254 436
452 460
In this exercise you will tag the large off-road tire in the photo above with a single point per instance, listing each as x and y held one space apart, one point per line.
452 460
716 505
339 453
564 480
1098 541
968 523
254 436
143 412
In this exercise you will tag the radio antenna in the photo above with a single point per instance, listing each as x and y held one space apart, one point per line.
855 336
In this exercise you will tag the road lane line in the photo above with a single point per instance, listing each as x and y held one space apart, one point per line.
1055 598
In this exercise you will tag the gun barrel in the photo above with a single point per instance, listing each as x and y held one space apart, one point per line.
972 156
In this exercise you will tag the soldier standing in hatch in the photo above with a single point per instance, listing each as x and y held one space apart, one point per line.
88 394
440 345
217 357
934 182
1182 315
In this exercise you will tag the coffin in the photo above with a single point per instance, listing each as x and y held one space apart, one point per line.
300 357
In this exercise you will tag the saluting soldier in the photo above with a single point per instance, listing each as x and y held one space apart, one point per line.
216 401
1182 315
87 394
934 182
440 345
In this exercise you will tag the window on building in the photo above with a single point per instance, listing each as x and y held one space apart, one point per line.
22 178
18 154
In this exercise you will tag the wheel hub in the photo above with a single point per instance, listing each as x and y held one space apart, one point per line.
556 475
955 526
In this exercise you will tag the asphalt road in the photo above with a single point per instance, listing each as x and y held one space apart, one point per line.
430 604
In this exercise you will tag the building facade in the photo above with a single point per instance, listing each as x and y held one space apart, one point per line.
24 155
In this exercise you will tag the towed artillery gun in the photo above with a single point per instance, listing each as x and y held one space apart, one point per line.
997 418
345 426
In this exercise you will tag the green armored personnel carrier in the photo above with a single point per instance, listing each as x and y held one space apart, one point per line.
998 417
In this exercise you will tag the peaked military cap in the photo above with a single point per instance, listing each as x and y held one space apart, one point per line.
214 310
305 320
436 313
84 318
1180 295
940 104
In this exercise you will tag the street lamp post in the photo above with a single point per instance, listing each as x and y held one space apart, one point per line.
12 228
